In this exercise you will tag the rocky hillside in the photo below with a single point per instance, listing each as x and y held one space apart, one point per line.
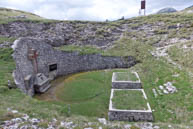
157 29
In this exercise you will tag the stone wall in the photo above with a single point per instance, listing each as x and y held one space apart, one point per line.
130 116
126 85
67 62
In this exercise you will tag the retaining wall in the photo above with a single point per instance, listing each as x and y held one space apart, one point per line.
67 62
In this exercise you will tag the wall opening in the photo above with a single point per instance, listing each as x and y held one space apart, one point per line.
52 67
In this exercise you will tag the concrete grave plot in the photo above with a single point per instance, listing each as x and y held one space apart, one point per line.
126 80
129 105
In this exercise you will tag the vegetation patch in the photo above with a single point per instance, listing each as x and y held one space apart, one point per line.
6 67
88 49
10 15
123 47
178 52
6 39
126 76
129 100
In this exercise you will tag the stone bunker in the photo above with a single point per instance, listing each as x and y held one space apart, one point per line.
37 63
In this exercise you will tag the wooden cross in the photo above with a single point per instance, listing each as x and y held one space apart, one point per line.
32 55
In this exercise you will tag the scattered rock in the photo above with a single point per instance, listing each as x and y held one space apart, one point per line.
17 120
62 123
14 111
67 124
128 126
165 92
156 127
166 88
102 120
170 88
145 125
161 87
159 91
169 126
155 93
34 121
25 117
100 127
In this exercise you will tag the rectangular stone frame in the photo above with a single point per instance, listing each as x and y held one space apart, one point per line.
126 84
129 115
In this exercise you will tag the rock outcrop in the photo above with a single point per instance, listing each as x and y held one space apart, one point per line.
64 33
53 63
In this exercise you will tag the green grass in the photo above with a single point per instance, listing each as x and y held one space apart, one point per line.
6 66
126 76
84 94
81 49
122 47
128 47
82 89
174 108
177 51
129 100
6 39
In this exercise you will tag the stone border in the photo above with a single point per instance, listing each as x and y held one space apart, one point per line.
126 84
129 115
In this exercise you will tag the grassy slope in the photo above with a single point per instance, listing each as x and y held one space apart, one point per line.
185 49
174 109
9 15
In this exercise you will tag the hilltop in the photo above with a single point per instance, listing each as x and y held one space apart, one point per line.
167 10
161 42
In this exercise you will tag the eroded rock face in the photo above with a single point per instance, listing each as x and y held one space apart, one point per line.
100 34
63 33
53 63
